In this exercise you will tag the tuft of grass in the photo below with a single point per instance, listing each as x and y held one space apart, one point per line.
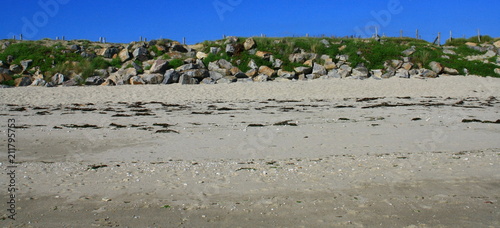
176 63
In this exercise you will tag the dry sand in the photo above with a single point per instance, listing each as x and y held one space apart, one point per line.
324 153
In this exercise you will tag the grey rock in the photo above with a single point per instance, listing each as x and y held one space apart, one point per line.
402 73
137 67
94 80
244 80
141 54
436 67
110 52
208 81
227 80
334 73
303 70
260 78
277 63
124 55
345 71
342 57
152 78
75 47
224 64
252 64
38 82
231 40
70 82
159 66
249 43
59 79
197 73
230 49
429 74
360 72
171 76
319 69
449 52
26 64
136 80
450 71
185 67
215 75
325 42
214 50
409 51
16 69
377 74
187 80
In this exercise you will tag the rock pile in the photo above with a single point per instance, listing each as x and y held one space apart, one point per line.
142 65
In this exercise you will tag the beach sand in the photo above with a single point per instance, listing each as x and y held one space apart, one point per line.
322 153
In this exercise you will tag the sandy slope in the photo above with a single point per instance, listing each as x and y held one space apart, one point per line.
389 153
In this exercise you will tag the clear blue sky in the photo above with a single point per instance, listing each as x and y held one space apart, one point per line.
127 20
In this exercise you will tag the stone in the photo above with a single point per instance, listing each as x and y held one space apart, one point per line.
319 69
429 74
449 52
235 70
179 48
396 64
450 71
263 54
94 80
240 75
136 80
360 72
252 72
58 79
171 76
407 66
215 75
231 40
208 81
16 69
159 66
497 71
201 55
277 63
252 64
330 65
187 80
436 67
334 73
260 78
377 74
249 44
297 58
325 42
227 80
286 74
197 73
26 64
224 64
497 44
38 82
266 70
68 83
75 47
141 54
5 77
185 67
303 70
402 73
124 55
108 82
214 50
108 52
309 63
22 81
152 78
389 73
409 51
344 71
342 57
230 49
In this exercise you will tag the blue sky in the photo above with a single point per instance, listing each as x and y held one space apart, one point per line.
127 20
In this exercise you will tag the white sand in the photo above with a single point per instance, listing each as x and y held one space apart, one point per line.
348 162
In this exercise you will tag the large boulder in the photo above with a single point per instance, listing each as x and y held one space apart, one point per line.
450 71
152 78
124 55
402 73
186 79
224 64
109 52
136 80
436 67
429 74
23 81
39 82
249 43
360 72
266 70
141 54
286 74
201 55
409 51
16 69
198 74
303 70
215 75
260 78
330 65
59 79
5 77
26 64
344 71
179 48
159 66
94 80
318 69
170 76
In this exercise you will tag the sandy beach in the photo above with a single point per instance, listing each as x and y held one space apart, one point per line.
323 153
